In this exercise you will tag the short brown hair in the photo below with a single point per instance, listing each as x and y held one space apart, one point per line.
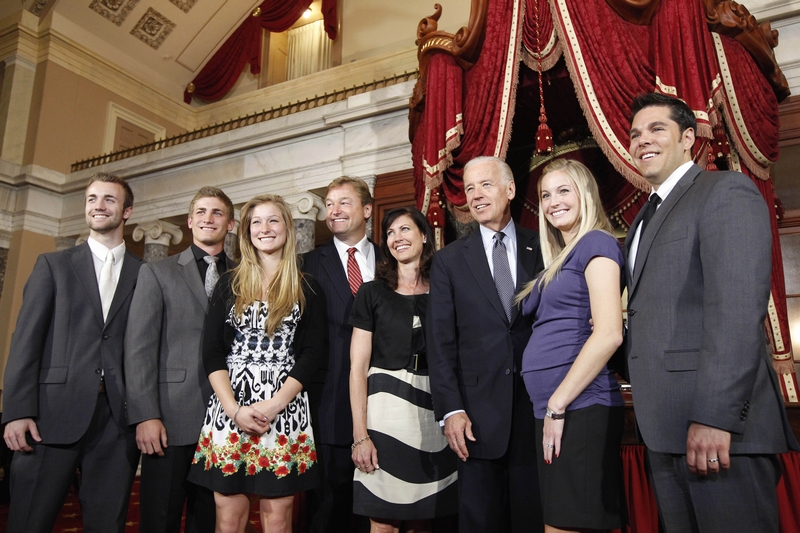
212 192
112 178
359 185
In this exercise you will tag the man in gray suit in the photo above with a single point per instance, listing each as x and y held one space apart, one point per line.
706 398
168 389
65 394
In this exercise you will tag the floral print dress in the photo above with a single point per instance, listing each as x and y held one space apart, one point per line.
280 461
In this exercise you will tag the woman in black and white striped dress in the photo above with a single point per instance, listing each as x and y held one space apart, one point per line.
393 419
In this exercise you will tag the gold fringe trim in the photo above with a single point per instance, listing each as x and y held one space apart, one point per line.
606 139
754 160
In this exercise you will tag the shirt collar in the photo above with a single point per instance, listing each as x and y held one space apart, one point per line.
487 235
362 246
199 254
100 251
673 179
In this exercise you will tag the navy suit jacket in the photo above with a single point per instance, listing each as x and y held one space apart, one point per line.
329 393
474 353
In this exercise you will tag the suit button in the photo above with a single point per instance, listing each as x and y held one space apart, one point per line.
508 371
631 312
742 418
98 370
105 337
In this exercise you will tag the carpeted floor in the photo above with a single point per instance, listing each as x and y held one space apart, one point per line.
70 520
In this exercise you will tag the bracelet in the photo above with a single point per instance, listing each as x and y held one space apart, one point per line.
359 441
236 413
549 413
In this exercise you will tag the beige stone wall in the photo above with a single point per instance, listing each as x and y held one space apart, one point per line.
25 247
371 28
68 118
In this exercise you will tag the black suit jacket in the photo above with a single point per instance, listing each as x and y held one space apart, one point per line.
61 346
329 393
474 354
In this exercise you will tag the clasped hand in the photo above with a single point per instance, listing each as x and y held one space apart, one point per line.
255 419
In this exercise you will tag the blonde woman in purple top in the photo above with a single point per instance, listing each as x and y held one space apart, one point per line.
576 398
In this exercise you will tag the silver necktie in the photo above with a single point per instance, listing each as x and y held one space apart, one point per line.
212 274
502 273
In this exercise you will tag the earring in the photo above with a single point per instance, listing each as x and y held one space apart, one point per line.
424 241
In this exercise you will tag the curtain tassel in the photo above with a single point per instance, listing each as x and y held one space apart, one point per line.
544 135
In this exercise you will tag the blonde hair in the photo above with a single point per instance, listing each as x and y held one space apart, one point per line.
590 217
285 289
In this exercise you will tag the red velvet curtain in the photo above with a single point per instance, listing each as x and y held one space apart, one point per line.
609 63
548 40
684 58
243 47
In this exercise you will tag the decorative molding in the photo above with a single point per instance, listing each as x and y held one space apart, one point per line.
735 21
153 28
114 10
17 60
306 206
65 243
116 111
465 47
157 232
184 5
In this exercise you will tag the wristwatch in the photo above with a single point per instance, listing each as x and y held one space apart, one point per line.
555 416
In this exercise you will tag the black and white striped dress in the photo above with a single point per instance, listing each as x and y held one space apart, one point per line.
418 471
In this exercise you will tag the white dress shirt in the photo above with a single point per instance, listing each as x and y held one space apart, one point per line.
99 253
662 192
365 257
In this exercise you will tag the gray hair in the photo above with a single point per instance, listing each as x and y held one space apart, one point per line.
502 167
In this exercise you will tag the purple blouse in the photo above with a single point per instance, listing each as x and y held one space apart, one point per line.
561 327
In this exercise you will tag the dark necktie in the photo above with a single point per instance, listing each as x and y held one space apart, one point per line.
649 210
353 271
502 273
212 274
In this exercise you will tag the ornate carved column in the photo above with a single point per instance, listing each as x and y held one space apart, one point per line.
370 181
5 241
232 238
63 243
16 94
157 236
306 208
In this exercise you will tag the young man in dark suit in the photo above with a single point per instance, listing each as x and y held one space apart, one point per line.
475 339
168 389
64 388
340 266
706 397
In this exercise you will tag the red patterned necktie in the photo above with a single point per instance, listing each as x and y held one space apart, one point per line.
353 272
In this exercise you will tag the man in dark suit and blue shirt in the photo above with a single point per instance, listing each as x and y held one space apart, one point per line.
64 387
168 388
475 339
706 397
340 266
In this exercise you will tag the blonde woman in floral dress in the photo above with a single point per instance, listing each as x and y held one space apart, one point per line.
265 335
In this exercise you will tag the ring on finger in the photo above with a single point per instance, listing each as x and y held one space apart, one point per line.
714 460
550 445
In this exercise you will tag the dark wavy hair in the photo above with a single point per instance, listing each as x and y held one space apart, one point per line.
387 269
680 112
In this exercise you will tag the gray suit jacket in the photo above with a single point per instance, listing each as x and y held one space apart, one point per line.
61 346
163 348
697 301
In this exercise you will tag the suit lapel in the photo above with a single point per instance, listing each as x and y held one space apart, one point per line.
475 258
187 266
335 270
527 246
83 267
125 284
646 241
